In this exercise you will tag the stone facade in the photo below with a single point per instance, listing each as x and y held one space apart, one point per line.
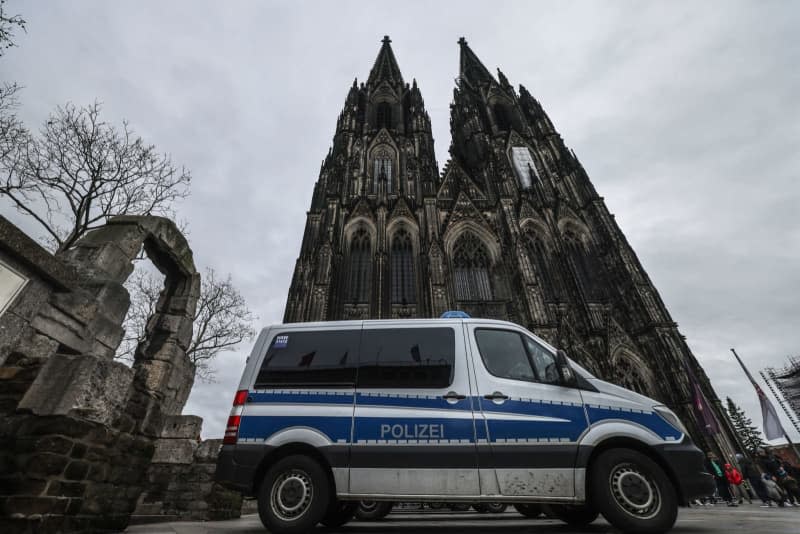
512 229
78 429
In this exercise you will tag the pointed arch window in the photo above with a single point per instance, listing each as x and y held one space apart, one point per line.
382 169
628 376
471 269
359 267
540 258
404 286
524 167
585 265
501 117
383 115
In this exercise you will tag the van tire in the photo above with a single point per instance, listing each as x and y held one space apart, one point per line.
373 510
574 515
339 513
294 495
490 507
533 511
633 492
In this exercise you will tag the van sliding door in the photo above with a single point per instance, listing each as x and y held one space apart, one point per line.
527 439
413 431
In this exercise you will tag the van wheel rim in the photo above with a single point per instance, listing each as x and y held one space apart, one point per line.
291 495
368 506
634 491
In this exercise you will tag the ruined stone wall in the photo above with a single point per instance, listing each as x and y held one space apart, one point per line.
77 429
180 477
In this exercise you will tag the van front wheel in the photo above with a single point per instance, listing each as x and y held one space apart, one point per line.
632 492
294 495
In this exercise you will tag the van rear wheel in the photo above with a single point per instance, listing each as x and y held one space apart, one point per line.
575 516
529 510
294 495
339 513
373 510
633 492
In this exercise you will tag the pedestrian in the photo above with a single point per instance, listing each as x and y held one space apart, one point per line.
750 472
735 480
789 485
774 490
715 468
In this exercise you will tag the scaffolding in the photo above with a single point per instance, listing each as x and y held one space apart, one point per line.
785 387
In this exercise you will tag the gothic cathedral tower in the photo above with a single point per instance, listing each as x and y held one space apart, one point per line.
511 229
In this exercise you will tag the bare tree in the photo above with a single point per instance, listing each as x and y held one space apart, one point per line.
12 133
221 322
81 170
8 25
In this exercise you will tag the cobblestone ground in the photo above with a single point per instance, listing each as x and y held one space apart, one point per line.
746 518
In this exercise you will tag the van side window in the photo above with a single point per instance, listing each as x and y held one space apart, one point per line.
407 358
544 362
322 358
504 355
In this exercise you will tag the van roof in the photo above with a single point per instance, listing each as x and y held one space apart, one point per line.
389 322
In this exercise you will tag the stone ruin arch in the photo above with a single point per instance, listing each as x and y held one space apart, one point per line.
80 433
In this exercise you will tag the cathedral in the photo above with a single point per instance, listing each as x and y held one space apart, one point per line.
511 228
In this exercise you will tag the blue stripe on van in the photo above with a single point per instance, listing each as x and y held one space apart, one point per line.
262 427
535 407
649 420
301 397
338 428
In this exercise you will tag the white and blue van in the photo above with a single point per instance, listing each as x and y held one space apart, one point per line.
446 410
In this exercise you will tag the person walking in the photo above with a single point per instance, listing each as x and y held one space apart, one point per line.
750 472
716 469
789 485
735 479
774 490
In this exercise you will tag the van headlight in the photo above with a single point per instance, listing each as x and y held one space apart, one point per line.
670 417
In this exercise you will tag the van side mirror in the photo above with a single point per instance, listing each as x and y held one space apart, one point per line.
568 377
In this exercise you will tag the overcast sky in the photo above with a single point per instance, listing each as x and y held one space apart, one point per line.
684 114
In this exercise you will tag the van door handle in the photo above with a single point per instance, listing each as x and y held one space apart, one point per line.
452 397
496 397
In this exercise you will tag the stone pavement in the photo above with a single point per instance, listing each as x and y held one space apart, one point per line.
748 519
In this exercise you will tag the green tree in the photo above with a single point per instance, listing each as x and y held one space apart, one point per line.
743 425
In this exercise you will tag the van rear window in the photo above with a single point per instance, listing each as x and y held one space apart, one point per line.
407 358
319 358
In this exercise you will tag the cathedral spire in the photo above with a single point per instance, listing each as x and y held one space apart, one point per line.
471 69
385 67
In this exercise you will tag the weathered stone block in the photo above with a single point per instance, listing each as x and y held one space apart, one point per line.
182 426
17 485
46 464
66 489
33 505
76 470
208 451
78 451
98 472
174 451
62 327
92 388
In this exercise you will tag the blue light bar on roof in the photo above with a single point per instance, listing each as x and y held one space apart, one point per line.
455 314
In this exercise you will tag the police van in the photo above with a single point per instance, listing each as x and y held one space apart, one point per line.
446 410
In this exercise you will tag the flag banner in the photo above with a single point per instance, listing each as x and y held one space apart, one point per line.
705 415
703 411
772 425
